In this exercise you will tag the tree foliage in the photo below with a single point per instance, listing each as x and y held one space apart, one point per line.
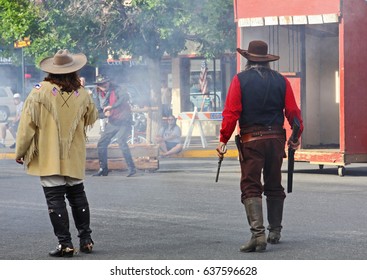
102 28
213 27
17 19
148 28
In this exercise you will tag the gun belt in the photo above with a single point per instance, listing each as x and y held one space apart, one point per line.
261 135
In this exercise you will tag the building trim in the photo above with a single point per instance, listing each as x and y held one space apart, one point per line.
288 20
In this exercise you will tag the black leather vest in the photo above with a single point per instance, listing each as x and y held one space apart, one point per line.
263 97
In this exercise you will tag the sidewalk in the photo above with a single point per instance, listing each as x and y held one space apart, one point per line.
7 153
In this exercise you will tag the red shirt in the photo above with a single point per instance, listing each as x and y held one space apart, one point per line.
233 108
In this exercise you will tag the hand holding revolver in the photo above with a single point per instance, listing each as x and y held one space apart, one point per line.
221 149
293 145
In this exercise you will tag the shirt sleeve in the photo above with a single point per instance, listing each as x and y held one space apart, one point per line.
291 108
232 110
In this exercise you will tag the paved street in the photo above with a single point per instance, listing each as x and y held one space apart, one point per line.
180 213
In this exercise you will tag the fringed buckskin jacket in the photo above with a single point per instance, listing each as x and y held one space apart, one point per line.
51 135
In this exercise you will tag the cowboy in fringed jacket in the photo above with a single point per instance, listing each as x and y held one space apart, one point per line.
51 143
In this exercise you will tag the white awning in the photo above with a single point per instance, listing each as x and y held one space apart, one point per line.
288 20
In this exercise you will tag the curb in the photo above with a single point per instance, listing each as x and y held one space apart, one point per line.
7 156
205 153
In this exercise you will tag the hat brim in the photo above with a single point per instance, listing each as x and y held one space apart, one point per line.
102 82
79 60
257 58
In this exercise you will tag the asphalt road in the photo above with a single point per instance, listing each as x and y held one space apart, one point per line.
180 213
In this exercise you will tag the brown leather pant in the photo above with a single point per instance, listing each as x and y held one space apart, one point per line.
264 156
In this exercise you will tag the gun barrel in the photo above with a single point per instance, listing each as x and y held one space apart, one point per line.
290 170
218 169
294 138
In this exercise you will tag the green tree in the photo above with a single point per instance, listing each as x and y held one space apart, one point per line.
213 27
148 28
17 20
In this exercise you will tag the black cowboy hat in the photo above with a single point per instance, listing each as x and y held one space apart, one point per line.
258 52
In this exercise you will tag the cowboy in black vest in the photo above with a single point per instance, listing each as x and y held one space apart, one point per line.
258 98
117 109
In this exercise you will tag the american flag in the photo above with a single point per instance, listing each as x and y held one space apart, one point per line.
55 91
203 77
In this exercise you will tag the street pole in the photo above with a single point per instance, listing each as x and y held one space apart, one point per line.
21 44
23 74
214 82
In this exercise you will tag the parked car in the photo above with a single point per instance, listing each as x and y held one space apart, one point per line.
7 107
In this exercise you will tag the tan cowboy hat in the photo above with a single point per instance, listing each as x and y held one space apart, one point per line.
63 62
258 52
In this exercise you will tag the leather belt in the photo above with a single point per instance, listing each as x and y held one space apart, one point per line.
261 128
261 135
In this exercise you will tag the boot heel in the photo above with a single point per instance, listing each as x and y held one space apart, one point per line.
256 244
101 172
273 237
260 248
86 246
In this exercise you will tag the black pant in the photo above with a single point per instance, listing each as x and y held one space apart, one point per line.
122 132
55 198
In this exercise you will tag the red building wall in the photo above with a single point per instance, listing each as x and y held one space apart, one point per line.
264 8
353 68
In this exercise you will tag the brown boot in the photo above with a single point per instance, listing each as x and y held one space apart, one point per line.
254 214
275 216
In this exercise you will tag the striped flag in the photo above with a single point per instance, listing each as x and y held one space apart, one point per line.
55 91
203 77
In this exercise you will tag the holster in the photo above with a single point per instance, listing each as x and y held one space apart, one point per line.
237 139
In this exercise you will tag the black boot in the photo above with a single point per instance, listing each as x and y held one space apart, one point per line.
86 245
101 172
131 173
81 214
129 160
82 222
275 216
61 250
55 198
102 155
254 214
